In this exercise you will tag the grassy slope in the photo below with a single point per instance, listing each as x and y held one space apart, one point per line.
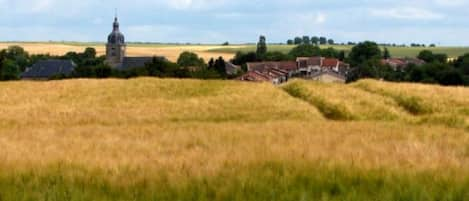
153 139
395 51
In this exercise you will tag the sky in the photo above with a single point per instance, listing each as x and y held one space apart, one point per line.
443 22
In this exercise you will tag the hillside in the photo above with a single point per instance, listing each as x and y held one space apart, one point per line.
452 52
168 139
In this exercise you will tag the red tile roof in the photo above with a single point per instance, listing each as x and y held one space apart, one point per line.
327 62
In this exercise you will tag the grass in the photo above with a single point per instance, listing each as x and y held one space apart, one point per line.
168 139
452 52
268 181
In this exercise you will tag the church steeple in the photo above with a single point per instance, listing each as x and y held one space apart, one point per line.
116 24
115 47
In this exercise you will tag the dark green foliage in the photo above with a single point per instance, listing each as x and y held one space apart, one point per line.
330 53
330 42
306 40
290 42
103 71
218 66
315 40
189 59
9 70
305 51
298 40
364 52
322 40
243 58
429 57
261 47
277 56
386 54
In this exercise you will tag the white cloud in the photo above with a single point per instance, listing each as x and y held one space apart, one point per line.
320 18
407 13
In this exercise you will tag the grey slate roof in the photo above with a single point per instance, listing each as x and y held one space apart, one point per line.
135 62
45 69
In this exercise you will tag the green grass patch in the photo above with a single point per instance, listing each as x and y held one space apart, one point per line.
262 182
329 110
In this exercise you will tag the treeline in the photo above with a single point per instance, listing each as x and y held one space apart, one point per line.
314 40
366 60
15 60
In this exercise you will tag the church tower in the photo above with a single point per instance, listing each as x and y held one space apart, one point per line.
115 47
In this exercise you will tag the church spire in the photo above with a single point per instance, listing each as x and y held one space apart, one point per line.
116 22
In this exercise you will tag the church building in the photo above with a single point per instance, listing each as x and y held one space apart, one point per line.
116 51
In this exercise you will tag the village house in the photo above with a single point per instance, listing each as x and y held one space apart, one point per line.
46 69
400 63
313 68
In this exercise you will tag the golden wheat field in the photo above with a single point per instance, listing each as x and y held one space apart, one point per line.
170 52
137 130
200 126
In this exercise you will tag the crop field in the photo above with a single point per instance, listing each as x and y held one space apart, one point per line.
171 52
452 52
169 139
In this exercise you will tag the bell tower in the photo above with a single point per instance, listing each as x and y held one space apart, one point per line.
116 46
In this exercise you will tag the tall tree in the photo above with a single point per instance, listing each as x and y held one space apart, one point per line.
330 42
322 40
386 54
290 42
190 59
306 40
298 40
261 47
305 50
315 40
363 52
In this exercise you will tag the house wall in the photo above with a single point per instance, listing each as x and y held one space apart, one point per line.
326 78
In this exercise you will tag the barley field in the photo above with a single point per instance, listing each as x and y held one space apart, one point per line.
169 139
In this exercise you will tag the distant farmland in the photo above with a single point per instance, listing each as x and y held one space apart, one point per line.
395 51
169 51
172 51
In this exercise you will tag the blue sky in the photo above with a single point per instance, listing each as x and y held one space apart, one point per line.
444 22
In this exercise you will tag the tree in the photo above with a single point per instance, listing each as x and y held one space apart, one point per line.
298 40
242 58
386 54
363 52
290 42
341 55
330 53
322 40
426 55
226 43
429 57
306 40
462 63
190 59
330 42
315 40
261 47
451 77
305 50
89 53
9 70
220 67
276 56
103 71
